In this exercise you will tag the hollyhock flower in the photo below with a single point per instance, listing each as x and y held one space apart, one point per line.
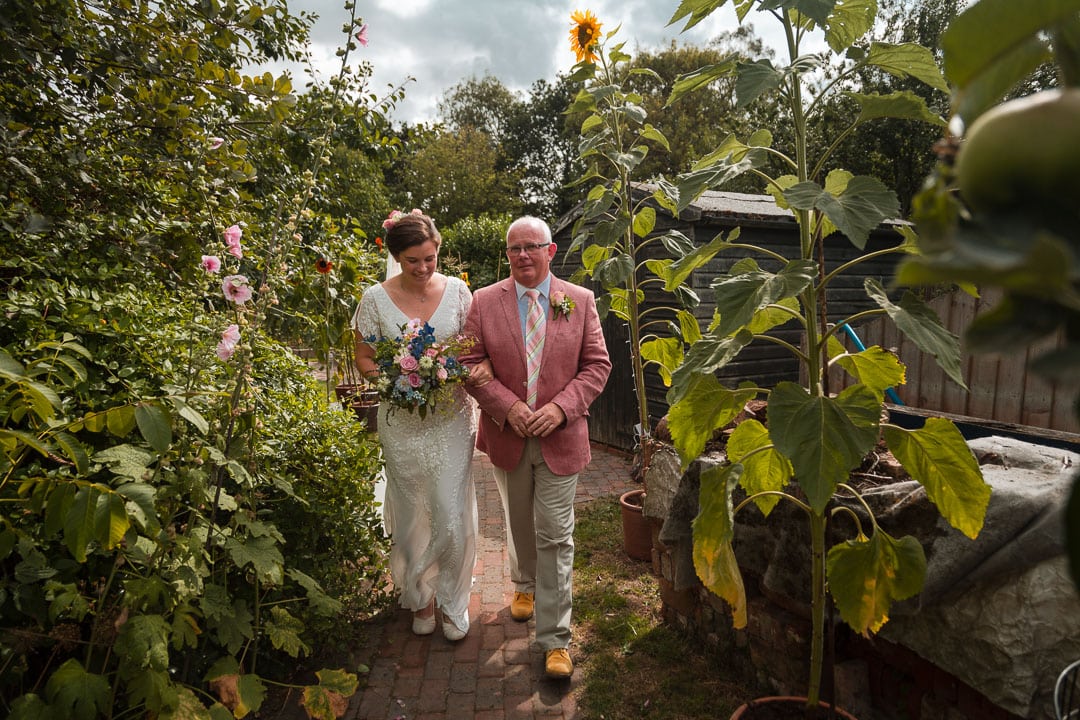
216 142
211 264
408 363
232 240
361 37
415 380
229 339
236 289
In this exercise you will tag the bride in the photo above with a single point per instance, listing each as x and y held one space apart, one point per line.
430 505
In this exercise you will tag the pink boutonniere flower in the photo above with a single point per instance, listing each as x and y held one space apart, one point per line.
561 304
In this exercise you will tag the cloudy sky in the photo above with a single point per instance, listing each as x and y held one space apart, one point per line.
442 42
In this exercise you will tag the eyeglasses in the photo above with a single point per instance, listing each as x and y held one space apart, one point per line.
531 248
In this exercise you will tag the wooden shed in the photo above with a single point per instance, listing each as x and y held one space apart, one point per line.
763 223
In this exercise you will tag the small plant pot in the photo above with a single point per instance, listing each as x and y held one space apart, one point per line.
787 707
637 537
363 402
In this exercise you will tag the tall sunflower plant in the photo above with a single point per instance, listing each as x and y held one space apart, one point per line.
615 230
813 438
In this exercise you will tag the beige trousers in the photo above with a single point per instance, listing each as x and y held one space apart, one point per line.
539 507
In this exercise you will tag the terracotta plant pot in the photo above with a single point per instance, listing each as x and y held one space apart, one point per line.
787 707
637 537
363 402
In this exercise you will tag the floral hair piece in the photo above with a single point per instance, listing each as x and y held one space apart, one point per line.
395 215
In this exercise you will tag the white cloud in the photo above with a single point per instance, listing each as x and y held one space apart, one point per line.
443 42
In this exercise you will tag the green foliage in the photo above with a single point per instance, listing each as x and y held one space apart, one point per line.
1023 241
477 245
814 438
158 500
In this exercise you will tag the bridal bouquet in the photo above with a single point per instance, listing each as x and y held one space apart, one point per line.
416 371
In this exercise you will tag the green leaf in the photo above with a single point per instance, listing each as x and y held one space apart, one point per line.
143 643
764 469
666 353
753 80
714 558
339 681
140 497
700 256
73 450
262 553
120 420
126 461
863 205
867 576
79 523
849 21
700 78
651 133
902 104
939 458
706 356
990 30
706 406
824 438
110 520
74 693
921 325
740 296
12 438
644 221
284 631
30 707
773 316
874 367
188 707
155 425
185 629
190 414
688 326
908 60
698 10
43 399
252 695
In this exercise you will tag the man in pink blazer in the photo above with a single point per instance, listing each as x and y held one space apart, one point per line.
538 450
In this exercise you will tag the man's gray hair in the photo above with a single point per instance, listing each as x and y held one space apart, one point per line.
530 221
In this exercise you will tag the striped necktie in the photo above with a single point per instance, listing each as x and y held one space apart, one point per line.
534 345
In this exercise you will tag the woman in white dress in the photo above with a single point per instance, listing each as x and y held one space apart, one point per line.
430 503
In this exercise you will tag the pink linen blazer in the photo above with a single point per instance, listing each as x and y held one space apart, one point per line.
573 370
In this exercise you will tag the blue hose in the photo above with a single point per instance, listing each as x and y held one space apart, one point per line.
859 345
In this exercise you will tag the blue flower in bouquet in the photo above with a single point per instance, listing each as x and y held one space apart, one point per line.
415 370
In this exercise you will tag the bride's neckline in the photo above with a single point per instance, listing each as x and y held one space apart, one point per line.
431 299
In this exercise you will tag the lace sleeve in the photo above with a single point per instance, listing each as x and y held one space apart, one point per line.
366 318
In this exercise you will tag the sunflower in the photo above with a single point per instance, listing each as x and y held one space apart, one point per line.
323 266
584 35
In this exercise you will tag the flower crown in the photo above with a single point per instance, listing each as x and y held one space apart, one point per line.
395 215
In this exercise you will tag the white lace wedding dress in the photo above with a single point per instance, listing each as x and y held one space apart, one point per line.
430 505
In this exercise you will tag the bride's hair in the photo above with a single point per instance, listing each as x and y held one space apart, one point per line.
410 230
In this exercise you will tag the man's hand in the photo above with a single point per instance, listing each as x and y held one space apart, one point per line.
518 418
545 421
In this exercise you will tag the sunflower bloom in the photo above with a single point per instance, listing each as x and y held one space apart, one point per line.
584 35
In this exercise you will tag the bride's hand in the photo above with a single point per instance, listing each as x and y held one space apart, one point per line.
481 374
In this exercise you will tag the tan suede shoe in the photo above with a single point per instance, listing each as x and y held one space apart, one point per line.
521 608
558 664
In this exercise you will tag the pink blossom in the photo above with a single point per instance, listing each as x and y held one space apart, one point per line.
431 352
232 240
216 142
211 264
361 37
236 289
408 363
442 374
229 338
414 326
415 380
558 297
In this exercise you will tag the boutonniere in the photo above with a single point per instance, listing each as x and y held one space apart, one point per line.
561 305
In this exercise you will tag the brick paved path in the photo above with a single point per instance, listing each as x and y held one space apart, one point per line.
495 673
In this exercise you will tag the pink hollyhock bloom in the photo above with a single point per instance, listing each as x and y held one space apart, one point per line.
229 338
361 37
408 363
236 289
211 264
442 374
415 380
232 240
216 142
